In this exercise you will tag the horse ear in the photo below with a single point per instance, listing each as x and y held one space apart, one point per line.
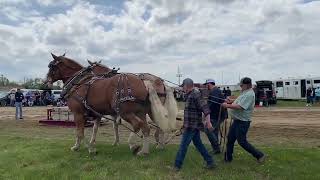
100 62
54 56
91 63
64 54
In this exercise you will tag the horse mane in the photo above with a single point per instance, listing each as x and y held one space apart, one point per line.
98 63
71 62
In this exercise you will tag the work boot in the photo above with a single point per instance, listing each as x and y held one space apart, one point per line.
175 169
227 159
214 152
262 159
211 166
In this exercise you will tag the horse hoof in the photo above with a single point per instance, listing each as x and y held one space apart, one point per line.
93 152
142 154
75 148
116 143
135 149
159 146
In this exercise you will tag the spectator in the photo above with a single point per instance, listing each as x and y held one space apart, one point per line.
313 95
228 92
19 98
224 92
309 96
12 99
317 93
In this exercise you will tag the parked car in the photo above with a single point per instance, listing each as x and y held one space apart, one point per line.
56 94
265 92
4 98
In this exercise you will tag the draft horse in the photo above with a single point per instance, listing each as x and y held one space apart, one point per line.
123 95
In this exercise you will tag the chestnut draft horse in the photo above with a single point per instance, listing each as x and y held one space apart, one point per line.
164 93
123 95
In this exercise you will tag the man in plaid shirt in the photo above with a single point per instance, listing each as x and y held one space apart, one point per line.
192 125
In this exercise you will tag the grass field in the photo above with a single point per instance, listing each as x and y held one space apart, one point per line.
28 158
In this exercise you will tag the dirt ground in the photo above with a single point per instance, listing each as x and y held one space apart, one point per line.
290 127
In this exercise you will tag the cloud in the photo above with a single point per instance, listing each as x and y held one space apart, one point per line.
218 39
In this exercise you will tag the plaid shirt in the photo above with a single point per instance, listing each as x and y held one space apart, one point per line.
193 110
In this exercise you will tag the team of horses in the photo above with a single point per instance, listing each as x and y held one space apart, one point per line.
97 90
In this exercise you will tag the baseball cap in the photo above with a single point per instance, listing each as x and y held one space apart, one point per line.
209 81
187 81
245 80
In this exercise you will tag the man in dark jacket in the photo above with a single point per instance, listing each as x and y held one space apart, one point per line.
19 98
215 99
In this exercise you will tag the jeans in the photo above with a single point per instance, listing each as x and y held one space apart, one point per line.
213 136
18 110
238 131
194 136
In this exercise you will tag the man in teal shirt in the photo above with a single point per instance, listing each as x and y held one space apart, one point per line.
241 111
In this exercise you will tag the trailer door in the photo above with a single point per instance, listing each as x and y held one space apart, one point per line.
279 89
303 88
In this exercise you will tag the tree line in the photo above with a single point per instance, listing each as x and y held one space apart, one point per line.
29 83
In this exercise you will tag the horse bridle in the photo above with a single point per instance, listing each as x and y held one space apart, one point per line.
54 64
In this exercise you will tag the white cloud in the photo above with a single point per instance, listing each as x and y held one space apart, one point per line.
263 39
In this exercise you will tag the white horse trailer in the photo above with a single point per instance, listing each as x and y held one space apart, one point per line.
295 88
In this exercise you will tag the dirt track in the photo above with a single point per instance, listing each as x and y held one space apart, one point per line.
295 127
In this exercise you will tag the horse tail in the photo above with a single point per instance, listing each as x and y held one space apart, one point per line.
159 112
172 108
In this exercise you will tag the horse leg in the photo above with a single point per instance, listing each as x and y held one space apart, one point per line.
116 131
92 149
146 133
136 124
161 139
79 121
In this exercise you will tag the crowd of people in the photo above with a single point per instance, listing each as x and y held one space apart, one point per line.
34 98
313 95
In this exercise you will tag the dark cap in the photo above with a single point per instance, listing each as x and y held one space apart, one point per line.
187 81
245 80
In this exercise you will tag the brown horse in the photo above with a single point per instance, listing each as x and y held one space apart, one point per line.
164 93
104 96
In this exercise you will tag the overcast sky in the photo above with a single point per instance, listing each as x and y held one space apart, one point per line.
219 39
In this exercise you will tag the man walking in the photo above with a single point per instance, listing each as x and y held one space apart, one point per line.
309 96
217 115
19 98
192 125
241 112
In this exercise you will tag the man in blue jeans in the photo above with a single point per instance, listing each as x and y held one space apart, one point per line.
241 112
19 98
217 115
192 125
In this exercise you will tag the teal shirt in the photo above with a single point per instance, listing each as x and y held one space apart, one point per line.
247 101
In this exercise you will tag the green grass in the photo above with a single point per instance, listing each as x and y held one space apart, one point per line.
25 158
293 103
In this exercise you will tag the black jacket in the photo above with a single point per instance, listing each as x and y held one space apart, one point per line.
216 96
19 97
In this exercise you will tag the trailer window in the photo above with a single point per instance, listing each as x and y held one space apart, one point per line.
287 83
279 84
296 82
308 82
316 81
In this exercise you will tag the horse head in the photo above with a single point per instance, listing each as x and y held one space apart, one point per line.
61 68
99 68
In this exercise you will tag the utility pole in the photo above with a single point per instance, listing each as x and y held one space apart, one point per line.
179 75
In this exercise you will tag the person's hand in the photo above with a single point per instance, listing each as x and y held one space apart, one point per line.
209 125
225 105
